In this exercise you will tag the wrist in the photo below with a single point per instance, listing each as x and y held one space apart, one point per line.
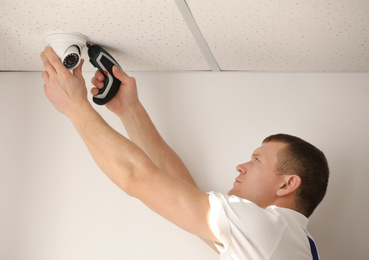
131 111
80 110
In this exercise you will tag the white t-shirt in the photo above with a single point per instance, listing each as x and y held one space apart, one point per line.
250 232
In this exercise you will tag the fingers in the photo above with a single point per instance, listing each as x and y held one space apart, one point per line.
94 91
99 79
45 76
55 61
99 76
97 83
47 64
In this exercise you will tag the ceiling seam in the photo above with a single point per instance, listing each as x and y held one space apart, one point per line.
195 30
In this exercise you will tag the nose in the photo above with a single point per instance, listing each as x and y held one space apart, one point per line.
242 168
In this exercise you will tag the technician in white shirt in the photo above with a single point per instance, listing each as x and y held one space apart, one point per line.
265 214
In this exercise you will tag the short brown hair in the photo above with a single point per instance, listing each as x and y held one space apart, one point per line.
309 163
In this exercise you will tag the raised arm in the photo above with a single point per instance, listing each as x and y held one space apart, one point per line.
140 128
121 160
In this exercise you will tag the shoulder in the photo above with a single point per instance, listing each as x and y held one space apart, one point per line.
240 207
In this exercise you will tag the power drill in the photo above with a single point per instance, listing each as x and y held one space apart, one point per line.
104 62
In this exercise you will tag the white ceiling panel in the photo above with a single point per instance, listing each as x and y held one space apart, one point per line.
286 35
172 35
142 35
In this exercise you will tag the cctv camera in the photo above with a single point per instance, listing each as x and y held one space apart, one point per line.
71 57
68 46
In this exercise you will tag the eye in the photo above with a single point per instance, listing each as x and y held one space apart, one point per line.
255 158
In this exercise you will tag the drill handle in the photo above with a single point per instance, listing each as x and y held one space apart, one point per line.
104 62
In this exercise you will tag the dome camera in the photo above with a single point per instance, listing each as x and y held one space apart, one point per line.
71 57
68 47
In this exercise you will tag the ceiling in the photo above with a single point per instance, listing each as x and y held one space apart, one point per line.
195 35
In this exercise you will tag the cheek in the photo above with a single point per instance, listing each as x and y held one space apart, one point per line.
263 180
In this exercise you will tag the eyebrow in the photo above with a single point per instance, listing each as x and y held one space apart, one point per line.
256 155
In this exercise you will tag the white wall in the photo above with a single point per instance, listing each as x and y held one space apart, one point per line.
55 203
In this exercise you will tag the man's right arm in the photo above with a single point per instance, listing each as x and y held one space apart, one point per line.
143 133
141 129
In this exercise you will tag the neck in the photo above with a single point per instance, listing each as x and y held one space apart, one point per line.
288 203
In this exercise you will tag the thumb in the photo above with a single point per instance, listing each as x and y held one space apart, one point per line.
121 75
78 71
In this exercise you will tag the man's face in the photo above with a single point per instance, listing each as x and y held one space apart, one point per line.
258 180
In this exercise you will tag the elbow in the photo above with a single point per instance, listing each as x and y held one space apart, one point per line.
135 178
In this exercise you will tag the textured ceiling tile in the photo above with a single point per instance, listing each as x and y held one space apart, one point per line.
298 35
141 35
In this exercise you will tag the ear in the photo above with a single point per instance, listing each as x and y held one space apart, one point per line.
290 184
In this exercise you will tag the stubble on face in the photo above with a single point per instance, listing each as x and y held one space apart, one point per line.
263 176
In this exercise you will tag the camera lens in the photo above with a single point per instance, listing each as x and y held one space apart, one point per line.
71 60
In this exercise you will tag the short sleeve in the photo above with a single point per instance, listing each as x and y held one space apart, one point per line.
248 231
219 222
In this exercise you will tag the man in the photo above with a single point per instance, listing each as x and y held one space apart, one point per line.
264 216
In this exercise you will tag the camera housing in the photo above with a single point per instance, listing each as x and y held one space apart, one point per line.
71 57
68 46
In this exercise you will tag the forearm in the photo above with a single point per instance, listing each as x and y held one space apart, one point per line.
142 132
117 157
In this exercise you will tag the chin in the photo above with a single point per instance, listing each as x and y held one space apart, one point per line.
231 192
